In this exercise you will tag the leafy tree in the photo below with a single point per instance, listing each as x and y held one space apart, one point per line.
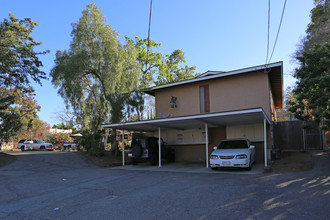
148 64
171 70
313 86
95 75
9 121
148 60
58 139
318 31
92 142
60 126
19 63
38 129
18 112
312 90
290 99
65 126
25 106
68 120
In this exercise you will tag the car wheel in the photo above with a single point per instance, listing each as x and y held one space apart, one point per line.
213 168
22 148
42 148
134 162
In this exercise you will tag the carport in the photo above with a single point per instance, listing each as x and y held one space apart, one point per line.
207 120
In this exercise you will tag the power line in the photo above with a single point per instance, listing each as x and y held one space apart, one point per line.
149 34
268 31
278 31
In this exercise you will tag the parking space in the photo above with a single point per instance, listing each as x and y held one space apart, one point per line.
189 167
58 184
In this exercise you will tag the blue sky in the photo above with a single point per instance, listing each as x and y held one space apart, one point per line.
214 34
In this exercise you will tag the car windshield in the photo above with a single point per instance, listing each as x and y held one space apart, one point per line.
237 144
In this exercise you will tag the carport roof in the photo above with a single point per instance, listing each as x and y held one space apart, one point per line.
218 119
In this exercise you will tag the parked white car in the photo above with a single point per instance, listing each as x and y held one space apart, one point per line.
34 144
70 145
233 153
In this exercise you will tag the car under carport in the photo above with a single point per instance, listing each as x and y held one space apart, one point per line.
201 121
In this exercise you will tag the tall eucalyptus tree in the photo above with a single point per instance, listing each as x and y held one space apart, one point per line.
97 73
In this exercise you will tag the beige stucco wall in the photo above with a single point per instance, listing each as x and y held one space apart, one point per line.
272 106
189 153
216 135
259 146
244 91
197 153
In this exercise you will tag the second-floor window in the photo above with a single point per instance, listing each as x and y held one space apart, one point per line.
204 98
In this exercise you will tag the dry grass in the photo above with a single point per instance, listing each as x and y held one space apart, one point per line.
293 162
108 160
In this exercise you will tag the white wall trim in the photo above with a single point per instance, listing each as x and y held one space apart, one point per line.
200 116
265 142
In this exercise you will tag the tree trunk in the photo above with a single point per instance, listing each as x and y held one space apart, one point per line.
138 111
114 144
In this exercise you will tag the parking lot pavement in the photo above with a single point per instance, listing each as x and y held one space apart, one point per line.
63 185
187 167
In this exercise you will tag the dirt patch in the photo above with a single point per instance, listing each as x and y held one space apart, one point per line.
108 160
293 162
6 159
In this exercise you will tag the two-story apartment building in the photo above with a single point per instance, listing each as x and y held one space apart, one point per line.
194 115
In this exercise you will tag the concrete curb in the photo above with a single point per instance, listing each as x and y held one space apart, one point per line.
269 168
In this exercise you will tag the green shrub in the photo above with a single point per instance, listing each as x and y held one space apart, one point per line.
92 142
58 139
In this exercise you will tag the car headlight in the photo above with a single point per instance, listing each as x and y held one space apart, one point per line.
241 156
214 157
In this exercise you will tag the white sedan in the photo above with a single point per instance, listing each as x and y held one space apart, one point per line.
33 144
233 153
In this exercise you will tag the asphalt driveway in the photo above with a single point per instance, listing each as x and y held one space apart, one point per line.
191 167
63 185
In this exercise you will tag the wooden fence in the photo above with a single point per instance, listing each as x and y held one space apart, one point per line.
293 135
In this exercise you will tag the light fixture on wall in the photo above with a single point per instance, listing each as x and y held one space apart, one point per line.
173 102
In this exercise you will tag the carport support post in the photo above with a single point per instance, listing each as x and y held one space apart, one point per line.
159 149
265 141
207 145
123 136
